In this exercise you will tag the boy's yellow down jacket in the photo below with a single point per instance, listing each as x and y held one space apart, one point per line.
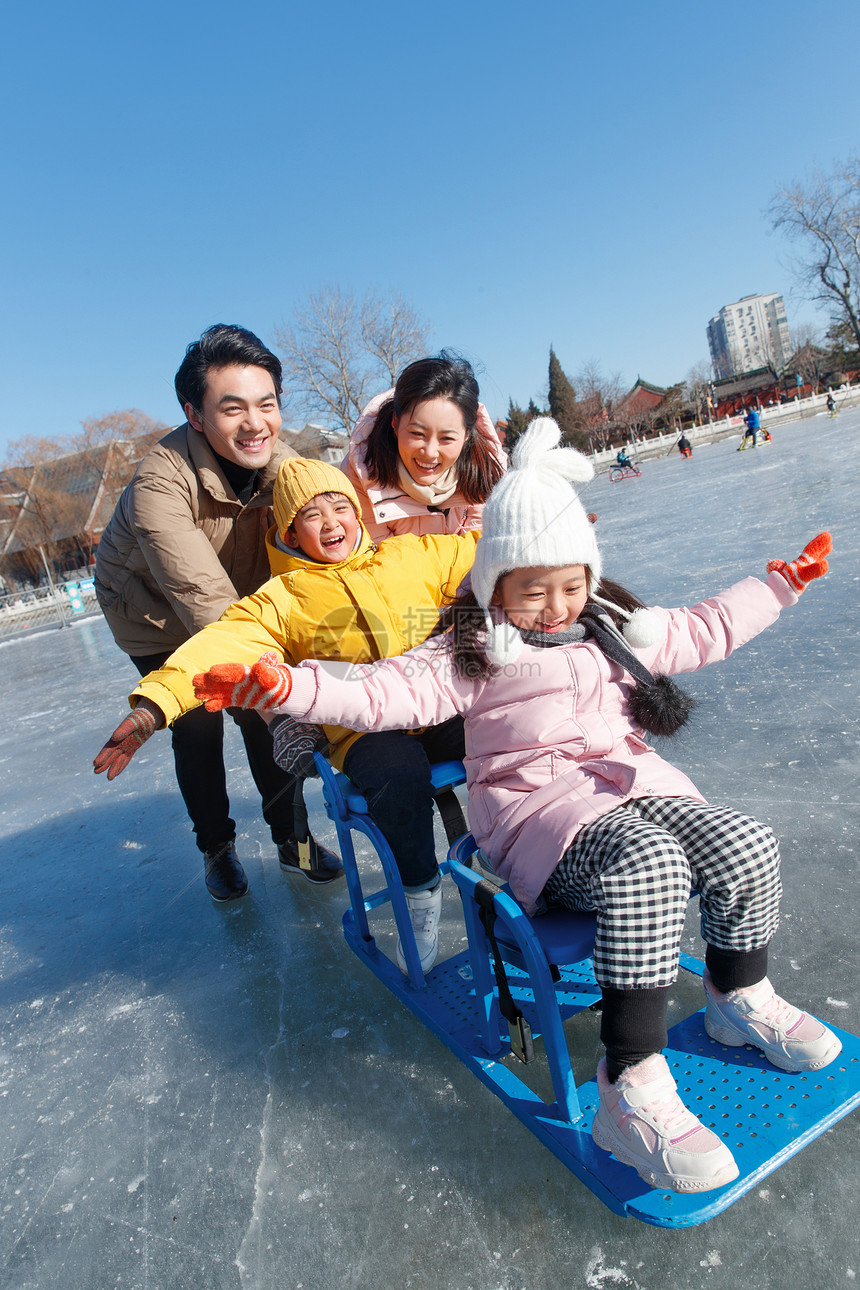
376 604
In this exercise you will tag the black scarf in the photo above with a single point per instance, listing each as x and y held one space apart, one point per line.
656 702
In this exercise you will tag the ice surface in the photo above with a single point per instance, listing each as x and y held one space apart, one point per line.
193 1095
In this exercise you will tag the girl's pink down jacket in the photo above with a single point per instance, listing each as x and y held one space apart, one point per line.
550 741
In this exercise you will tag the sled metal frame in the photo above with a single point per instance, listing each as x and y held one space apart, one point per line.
764 1115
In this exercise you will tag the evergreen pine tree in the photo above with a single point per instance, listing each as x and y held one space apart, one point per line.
519 420
563 407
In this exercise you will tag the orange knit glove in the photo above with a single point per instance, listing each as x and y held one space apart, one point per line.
235 685
808 566
127 738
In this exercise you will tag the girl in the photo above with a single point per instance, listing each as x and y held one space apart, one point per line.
424 456
569 802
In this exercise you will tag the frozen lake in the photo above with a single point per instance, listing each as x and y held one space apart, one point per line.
195 1095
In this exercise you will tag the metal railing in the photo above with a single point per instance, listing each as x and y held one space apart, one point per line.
58 605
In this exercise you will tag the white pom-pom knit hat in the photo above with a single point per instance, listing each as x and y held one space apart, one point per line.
533 518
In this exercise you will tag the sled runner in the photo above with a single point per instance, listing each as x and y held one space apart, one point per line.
501 1005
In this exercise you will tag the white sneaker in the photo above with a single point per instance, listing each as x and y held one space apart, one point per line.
425 909
643 1122
789 1038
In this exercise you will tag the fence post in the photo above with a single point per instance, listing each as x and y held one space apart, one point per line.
57 600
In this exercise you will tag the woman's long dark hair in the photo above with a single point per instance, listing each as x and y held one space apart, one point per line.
465 621
444 376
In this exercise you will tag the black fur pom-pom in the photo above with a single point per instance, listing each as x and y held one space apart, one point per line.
662 707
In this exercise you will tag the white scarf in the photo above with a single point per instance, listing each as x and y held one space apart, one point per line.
430 494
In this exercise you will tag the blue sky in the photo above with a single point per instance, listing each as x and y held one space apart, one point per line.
593 177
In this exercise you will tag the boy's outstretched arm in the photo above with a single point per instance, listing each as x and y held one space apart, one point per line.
128 737
235 685
808 566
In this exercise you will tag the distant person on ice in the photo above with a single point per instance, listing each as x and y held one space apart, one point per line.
568 801
685 447
187 538
753 425
622 459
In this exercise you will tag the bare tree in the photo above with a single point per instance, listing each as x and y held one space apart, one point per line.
338 352
59 492
113 444
129 425
599 397
33 448
823 216
809 358
698 385
392 332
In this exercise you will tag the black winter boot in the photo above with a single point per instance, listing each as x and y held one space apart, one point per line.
225 877
325 865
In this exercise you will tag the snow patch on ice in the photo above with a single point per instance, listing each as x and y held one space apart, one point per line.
598 1275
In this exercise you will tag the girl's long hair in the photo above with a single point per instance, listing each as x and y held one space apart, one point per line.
444 376
466 625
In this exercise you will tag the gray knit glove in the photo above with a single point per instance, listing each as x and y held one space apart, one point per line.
295 743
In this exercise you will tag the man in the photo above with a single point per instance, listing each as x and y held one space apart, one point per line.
187 539
752 420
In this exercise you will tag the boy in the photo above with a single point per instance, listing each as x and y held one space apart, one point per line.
335 596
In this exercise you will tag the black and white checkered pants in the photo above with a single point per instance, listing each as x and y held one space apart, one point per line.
636 866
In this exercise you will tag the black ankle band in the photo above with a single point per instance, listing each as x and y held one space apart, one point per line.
632 1026
735 969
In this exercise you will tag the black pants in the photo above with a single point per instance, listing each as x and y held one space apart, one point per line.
391 770
198 754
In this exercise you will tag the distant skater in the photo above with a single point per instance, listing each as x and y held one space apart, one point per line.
753 425
685 448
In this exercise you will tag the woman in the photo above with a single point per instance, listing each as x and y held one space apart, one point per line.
424 456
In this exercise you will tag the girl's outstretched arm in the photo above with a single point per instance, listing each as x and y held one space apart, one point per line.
416 689
712 630
808 566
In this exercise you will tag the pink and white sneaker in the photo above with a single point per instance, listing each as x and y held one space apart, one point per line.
643 1122
789 1038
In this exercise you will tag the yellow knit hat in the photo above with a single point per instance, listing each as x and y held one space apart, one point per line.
298 480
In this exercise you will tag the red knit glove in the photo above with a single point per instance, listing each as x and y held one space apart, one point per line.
808 566
234 685
127 738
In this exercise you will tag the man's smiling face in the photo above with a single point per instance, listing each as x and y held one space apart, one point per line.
240 417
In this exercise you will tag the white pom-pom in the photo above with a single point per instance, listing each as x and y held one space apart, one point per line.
537 449
643 629
540 437
504 644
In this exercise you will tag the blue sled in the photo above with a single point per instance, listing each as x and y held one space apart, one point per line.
765 1115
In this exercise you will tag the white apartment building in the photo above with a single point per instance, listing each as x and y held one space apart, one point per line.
751 333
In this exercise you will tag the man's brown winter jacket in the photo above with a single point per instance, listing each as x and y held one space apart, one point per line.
180 547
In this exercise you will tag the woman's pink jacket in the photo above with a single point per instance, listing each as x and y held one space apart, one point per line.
550 742
389 511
